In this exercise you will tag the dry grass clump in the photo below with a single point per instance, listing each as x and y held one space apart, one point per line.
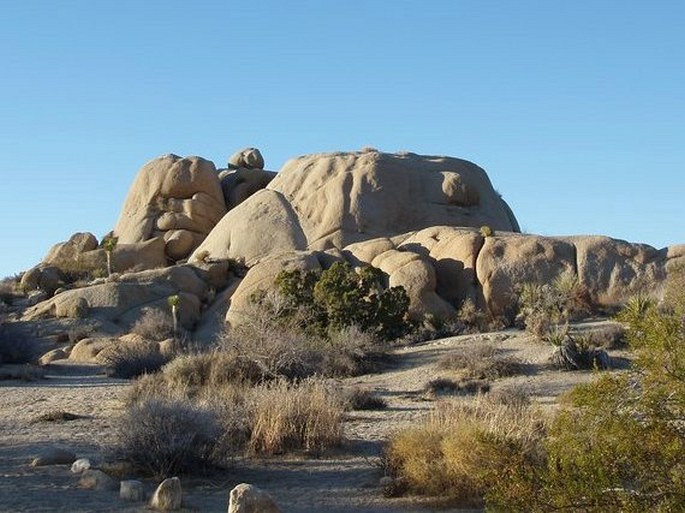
9 289
283 349
515 396
154 324
464 451
129 360
362 399
205 374
303 416
165 438
481 362
271 418
447 386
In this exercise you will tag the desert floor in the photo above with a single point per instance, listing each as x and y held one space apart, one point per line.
346 480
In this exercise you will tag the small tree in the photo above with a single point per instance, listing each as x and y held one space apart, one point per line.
109 244
174 302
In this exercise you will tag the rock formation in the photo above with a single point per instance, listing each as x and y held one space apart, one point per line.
417 218
179 199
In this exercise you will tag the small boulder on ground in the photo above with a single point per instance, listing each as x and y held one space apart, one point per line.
97 480
51 356
168 496
80 465
247 498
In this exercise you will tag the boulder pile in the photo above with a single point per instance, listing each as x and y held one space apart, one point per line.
434 225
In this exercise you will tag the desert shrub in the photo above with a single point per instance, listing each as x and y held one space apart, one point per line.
472 316
544 306
76 271
287 416
481 362
432 328
16 346
165 438
618 445
362 399
9 289
486 231
466 451
270 418
463 386
342 296
130 360
192 373
279 346
513 395
154 324
575 352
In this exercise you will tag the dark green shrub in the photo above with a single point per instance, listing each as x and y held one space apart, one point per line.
342 296
361 399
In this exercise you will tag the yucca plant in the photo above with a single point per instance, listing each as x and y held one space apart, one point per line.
174 302
109 244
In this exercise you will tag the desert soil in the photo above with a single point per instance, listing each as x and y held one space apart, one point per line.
346 480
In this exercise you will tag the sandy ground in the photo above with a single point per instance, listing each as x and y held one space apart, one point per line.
347 480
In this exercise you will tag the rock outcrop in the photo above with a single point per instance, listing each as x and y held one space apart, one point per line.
434 225
179 199
332 200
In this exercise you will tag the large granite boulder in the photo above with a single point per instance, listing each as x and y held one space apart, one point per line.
612 270
70 250
506 262
341 198
322 201
260 228
179 199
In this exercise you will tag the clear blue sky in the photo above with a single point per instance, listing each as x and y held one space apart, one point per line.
576 109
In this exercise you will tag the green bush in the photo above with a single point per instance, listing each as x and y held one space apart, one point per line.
619 445
342 296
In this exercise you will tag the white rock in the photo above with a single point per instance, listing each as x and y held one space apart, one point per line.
246 498
168 496
80 465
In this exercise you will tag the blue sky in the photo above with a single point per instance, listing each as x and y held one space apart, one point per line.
575 109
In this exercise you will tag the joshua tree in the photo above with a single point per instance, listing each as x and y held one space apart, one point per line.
174 301
109 245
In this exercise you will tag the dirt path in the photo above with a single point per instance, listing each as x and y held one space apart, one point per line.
347 480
